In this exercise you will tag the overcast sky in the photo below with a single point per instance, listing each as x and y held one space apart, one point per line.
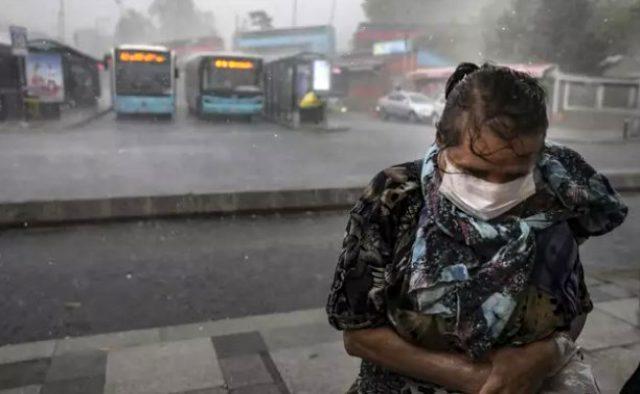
43 14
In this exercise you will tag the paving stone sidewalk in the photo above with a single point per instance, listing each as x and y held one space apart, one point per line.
293 352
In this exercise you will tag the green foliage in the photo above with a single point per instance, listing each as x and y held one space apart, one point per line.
261 20
617 23
548 31
179 19
134 28
576 34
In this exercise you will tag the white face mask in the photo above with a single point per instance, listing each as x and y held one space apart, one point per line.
482 199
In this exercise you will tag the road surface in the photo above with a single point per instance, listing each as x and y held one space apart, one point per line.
89 279
139 157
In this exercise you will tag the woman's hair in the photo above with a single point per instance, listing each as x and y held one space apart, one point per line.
510 103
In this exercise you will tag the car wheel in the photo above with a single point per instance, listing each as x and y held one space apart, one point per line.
383 114
413 118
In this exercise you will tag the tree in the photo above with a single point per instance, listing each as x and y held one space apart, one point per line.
181 19
617 24
506 39
134 27
548 31
261 20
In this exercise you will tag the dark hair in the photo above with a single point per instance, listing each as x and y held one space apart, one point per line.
510 103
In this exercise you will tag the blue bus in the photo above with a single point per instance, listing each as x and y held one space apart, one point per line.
219 84
143 80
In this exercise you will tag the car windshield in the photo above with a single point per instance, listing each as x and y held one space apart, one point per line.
419 99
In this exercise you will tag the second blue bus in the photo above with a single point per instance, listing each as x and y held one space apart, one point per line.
218 84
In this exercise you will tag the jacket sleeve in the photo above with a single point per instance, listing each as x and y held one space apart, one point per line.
356 299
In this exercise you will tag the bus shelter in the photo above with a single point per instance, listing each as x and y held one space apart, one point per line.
59 76
297 89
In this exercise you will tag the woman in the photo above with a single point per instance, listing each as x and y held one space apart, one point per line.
460 272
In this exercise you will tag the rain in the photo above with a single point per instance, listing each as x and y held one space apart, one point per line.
256 196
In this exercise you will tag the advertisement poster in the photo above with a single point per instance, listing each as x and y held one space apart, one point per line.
45 80
321 76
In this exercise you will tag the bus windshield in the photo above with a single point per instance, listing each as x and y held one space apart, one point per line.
224 76
143 79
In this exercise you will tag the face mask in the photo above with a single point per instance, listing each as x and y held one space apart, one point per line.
482 199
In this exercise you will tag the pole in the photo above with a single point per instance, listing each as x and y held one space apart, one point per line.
332 16
294 17
22 80
61 22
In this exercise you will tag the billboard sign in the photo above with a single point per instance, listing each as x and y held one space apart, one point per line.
19 43
321 76
391 47
45 80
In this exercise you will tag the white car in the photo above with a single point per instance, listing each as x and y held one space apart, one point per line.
415 107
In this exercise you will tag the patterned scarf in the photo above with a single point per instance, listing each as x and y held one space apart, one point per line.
452 275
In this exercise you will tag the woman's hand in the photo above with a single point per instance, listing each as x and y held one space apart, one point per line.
477 378
521 370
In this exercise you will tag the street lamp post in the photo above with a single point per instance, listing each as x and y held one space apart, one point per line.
332 16
294 16
62 29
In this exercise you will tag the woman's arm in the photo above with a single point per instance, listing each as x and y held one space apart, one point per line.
576 326
511 373
512 369
384 347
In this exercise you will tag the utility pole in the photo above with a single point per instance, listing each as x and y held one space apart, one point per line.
120 7
62 28
332 16
294 17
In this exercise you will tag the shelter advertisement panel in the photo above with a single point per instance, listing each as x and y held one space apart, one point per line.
45 79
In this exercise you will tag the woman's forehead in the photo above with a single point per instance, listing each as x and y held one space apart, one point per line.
487 151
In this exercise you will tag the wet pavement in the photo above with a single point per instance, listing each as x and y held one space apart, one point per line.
140 157
88 279
134 296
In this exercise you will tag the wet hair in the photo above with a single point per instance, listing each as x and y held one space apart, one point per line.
510 103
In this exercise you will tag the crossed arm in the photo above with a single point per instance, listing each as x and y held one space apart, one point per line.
508 370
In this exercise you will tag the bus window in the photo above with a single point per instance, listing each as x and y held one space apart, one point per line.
137 78
229 74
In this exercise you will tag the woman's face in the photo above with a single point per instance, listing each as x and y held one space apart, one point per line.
494 159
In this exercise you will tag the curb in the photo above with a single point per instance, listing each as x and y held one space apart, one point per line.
35 213
38 213
89 119
59 125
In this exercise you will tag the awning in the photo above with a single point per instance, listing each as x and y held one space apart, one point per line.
535 70
359 64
